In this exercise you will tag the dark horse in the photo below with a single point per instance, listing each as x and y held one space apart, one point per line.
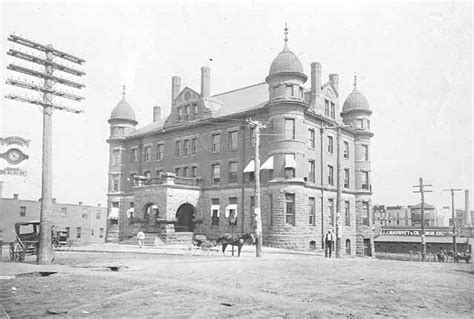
235 240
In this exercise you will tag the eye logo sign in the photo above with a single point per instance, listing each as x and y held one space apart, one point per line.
14 156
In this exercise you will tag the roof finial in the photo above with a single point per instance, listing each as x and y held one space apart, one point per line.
286 32
123 90
355 80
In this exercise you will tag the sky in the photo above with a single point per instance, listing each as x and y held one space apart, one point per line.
413 60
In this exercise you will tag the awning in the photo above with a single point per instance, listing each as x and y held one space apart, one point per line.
216 207
268 164
114 213
250 167
229 208
290 161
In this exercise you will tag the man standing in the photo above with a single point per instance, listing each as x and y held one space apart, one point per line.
141 239
328 242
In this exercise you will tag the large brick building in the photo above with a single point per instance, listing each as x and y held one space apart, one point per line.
194 170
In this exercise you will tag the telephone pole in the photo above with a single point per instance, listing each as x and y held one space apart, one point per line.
257 212
452 190
422 192
48 90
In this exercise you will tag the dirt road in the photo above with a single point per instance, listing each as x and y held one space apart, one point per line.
278 285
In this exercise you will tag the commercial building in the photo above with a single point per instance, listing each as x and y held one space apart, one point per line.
84 224
193 171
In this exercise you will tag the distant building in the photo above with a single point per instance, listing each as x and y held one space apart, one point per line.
461 218
84 224
429 212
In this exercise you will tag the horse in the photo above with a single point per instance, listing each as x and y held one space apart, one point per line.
234 240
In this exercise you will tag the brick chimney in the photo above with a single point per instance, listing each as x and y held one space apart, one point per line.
205 82
156 113
315 83
175 87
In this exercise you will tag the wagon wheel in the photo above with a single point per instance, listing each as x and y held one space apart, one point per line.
18 253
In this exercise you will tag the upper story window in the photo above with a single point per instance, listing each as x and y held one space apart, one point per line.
216 142
347 213
333 110
64 211
195 109
312 211
185 171
252 136
134 156
360 123
365 152
301 92
115 183
180 112
132 180
147 153
312 171
116 157
193 171
290 165
233 169
346 149
326 107
365 214
177 146
216 173
311 138
365 180
194 145
22 211
233 140
289 90
186 147
290 129
187 110
330 175
290 209
160 148
346 178
330 144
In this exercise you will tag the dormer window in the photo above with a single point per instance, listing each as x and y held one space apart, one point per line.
289 90
333 110
326 107
360 123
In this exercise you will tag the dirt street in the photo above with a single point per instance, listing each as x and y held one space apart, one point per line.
278 285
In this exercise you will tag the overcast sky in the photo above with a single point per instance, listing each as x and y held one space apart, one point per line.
414 61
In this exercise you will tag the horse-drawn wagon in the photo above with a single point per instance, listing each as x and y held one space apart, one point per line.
26 241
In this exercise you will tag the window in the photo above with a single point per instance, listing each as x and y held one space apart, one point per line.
194 145
193 171
195 109
22 211
311 140
101 233
233 172
365 213
232 212
177 146
270 204
301 92
252 136
326 107
331 211
252 210
186 147
360 123
289 90
185 171
290 165
98 214
233 140
365 180
134 155
78 232
132 180
84 215
216 143
347 213
290 129
290 209
346 149
92 231
333 110
330 175
115 157
365 152
312 211
159 151
215 211
64 211
115 183
311 171
216 173
186 112
68 231
177 171
330 145
147 153
346 178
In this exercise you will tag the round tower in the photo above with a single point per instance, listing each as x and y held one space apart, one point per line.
356 112
122 122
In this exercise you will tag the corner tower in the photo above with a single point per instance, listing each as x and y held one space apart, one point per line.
122 122
356 112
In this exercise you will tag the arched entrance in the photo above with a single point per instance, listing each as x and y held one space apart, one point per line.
184 218
150 213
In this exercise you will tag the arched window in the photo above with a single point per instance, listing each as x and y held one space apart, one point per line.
312 245
348 246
